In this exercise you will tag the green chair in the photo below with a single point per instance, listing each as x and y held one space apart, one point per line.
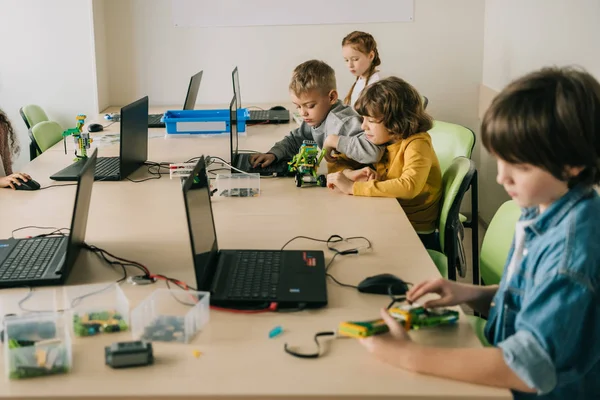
46 134
494 253
33 114
455 183
450 141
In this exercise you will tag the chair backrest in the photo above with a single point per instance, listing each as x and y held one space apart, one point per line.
497 241
455 183
32 114
47 134
451 141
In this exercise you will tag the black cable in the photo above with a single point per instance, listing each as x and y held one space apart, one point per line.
155 174
51 186
56 231
302 237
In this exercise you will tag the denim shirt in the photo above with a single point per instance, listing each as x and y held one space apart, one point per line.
546 318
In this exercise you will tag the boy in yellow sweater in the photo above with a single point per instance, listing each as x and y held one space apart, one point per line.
393 115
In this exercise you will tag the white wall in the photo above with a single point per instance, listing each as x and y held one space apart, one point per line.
48 60
440 53
524 35
101 65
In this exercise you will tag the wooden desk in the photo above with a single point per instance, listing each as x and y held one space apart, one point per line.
146 222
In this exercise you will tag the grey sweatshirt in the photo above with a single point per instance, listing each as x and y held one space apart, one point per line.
341 120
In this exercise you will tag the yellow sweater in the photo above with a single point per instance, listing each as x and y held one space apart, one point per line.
410 171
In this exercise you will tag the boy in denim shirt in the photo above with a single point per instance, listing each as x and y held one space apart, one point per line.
328 121
544 316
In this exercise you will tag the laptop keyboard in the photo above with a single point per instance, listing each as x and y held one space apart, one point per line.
154 119
255 275
244 162
107 166
29 259
259 115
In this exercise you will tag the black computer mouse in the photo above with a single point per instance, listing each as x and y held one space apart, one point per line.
29 185
95 127
380 284
278 108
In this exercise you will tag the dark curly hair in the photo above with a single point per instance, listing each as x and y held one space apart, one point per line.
9 144
397 105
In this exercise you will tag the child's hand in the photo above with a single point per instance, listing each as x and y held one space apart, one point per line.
384 346
262 160
330 147
361 175
451 293
13 180
340 181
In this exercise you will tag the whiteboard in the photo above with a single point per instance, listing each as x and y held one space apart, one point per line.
208 13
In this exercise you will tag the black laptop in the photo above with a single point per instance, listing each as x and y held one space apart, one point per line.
241 161
258 116
49 260
133 150
154 120
248 278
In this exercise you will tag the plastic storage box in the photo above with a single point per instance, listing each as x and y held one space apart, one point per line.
36 344
238 185
203 121
170 315
97 308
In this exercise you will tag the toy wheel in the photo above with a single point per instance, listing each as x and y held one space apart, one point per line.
321 180
298 180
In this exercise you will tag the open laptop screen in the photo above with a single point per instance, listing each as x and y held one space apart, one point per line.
134 136
233 133
235 78
83 197
192 93
201 226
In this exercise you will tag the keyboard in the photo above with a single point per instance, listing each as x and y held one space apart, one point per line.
243 163
29 259
107 166
154 121
254 275
259 115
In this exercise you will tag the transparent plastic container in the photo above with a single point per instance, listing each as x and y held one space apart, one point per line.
97 308
238 185
170 315
36 344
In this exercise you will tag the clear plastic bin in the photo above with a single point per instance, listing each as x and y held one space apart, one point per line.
36 344
97 308
170 315
238 185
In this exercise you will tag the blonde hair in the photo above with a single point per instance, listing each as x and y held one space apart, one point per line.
364 43
313 75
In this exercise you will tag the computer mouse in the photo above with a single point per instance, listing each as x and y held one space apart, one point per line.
95 127
278 108
29 185
380 284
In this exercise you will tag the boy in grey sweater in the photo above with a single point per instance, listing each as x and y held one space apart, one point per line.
327 121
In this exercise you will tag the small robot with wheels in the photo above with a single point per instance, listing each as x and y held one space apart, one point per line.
304 165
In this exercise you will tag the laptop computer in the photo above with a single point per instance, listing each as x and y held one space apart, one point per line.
258 116
49 260
247 278
133 148
154 120
241 161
